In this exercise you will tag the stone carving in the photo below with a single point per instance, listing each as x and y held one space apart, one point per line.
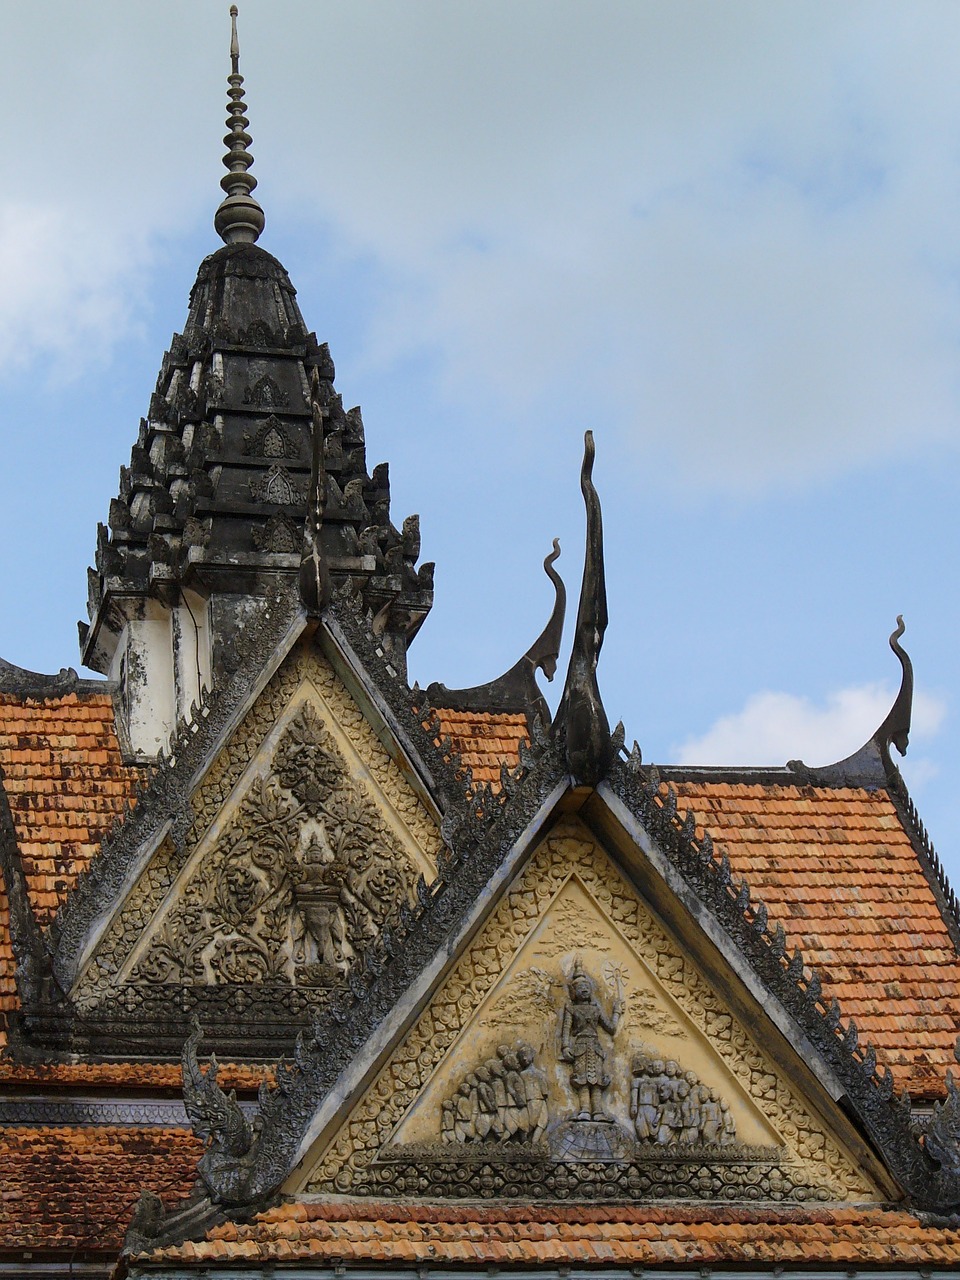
583 1019
217 1118
271 440
670 1106
125 934
265 394
278 536
277 486
528 999
504 1099
809 1165
942 1139
298 885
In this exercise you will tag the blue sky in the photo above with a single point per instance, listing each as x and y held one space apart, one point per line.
723 237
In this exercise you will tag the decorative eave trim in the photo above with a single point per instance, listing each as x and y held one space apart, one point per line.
33 972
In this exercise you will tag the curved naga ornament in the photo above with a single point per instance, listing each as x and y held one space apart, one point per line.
581 722
227 1163
942 1139
896 727
517 689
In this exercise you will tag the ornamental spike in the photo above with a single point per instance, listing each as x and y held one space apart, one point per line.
239 219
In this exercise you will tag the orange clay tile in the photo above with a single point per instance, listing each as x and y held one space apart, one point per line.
75 1188
65 783
836 868
630 1236
484 740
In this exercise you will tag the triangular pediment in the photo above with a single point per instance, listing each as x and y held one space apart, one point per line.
575 1051
305 835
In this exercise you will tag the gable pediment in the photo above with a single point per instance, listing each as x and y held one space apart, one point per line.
305 835
575 1051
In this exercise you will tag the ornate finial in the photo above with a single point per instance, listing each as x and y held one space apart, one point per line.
896 727
239 219
872 766
581 722
517 689
315 583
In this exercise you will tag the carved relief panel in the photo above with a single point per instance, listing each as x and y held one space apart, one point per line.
297 885
306 837
574 1051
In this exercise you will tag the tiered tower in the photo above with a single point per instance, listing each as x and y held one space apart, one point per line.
211 509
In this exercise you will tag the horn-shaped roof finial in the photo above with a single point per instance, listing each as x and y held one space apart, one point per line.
239 219
581 721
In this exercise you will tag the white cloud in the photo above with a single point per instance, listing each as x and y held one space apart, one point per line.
68 286
775 727
733 228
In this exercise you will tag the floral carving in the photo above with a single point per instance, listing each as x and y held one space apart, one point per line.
271 440
125 934
277 486
298 885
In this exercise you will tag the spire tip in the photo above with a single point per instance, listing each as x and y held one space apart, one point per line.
239 219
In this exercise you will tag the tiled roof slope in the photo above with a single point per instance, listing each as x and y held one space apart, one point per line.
66 783
837 868
484 739
75 1188
604 1236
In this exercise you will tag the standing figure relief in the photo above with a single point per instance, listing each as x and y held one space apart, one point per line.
583 1019
508 1097
669 1105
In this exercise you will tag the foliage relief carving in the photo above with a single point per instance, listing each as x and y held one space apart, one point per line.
227 771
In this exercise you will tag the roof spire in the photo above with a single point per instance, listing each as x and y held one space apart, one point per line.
239 219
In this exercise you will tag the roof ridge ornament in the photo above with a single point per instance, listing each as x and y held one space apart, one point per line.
239 219
581 724
895 729
517 689
872 766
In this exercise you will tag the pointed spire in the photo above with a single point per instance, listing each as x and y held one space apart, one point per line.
239 219
581 723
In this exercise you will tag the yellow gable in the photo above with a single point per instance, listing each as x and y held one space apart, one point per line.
575 1051
306 836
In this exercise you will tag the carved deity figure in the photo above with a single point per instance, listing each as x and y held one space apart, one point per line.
583 1019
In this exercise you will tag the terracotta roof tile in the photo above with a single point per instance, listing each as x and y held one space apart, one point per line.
484 739
65 783
616 1236
857 902
75 1188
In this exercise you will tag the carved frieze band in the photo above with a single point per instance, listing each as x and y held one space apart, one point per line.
170 1113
